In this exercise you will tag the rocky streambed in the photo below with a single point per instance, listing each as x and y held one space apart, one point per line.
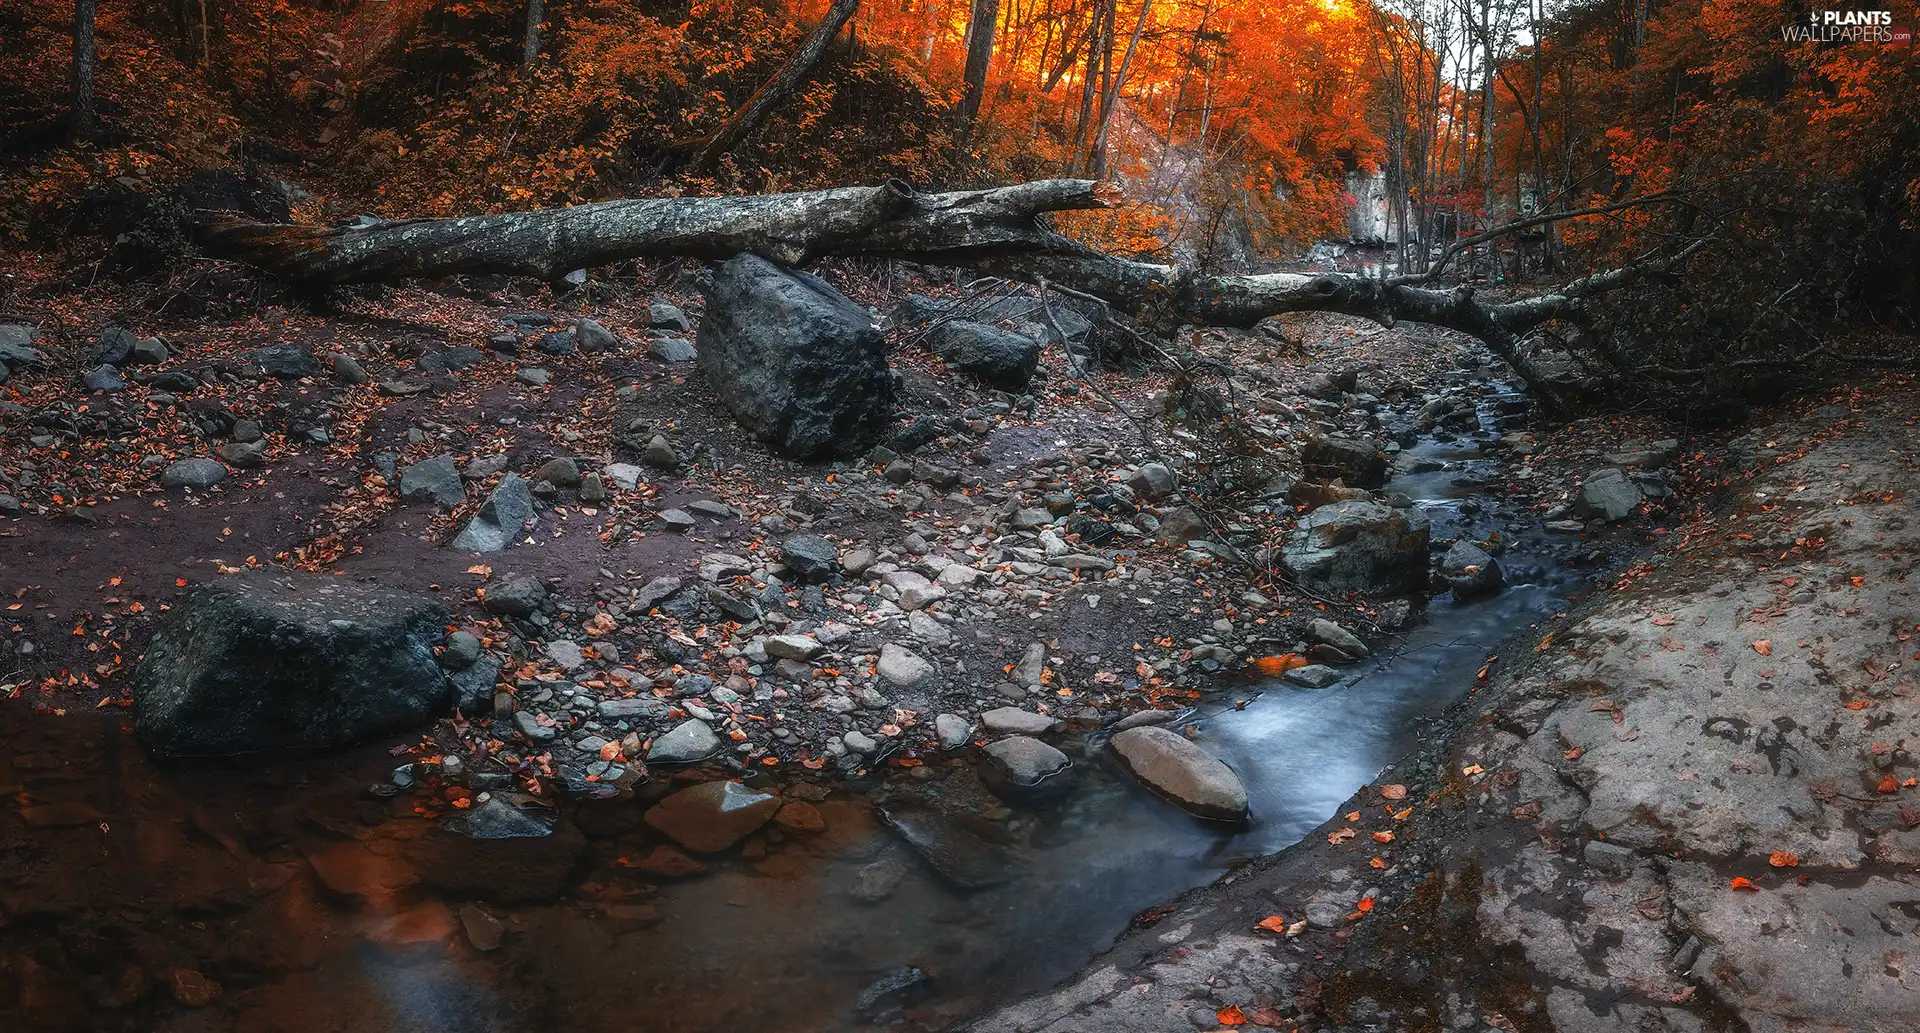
396 889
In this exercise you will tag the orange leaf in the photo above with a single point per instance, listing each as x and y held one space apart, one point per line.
1273 924
1782 859
1353 815
1393 792
1383 837
1741 883
1340 836
1231 1015
1279 665
1763 646
1365 905
1859 704
1377 864
1888 784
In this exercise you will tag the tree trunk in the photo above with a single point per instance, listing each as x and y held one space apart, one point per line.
535 12
980 29
777 90
1001 230
1097 164
83 64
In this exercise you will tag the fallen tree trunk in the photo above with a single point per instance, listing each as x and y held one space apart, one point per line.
1002 229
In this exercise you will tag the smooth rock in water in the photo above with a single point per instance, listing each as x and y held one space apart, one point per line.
495 818
1470 571
501 518
959 856
876 882
483 930
516 595
591 336
1313 676
809 557
1142 718
996 357
103 378
433 480
800 367
284 361
1021 766
192 473
1324 630
953 730
690 742
247 664
1608 494
1172 766
672 349
712 816
1013 720
1359 545
904 668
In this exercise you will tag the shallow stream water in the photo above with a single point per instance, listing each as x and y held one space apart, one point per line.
141 873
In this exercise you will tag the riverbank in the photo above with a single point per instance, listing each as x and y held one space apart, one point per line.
1689 807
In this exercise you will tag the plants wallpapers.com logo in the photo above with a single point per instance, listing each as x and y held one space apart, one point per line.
1848 27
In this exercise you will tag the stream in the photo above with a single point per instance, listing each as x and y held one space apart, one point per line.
141 873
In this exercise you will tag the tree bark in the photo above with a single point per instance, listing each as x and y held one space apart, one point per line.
980 29
777 90
1002 230
83 65
535 12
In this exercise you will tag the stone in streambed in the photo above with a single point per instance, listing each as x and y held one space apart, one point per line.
1324 630
1470 571
1020 766
712 816
1172 766
248 665
688 743
950 847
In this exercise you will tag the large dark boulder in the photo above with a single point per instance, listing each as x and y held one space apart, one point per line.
250 664
798 365
996 357
1357 463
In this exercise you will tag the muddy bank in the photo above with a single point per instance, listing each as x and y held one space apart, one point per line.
1690 807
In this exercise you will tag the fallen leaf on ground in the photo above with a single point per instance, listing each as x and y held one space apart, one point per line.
1888 784
1365 905
1278 665
1383 837
1782 859
1743 885
1472 770
1763 646
1395 791
1273 924
1377 864
1340 836
1231 1015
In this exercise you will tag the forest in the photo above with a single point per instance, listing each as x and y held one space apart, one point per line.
989 515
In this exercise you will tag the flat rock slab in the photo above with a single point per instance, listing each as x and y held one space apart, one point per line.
712 816
951 848
689 742
1173 767
1022 766
1014 721
253 664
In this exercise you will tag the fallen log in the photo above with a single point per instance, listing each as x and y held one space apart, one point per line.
1003 229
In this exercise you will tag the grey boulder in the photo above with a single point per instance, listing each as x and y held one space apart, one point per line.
799 366
996 357
501 518
1359 546
1174 768
252 664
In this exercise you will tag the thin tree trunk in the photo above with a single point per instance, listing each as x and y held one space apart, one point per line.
83 65
535 12
777 90
980 29
1097 165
